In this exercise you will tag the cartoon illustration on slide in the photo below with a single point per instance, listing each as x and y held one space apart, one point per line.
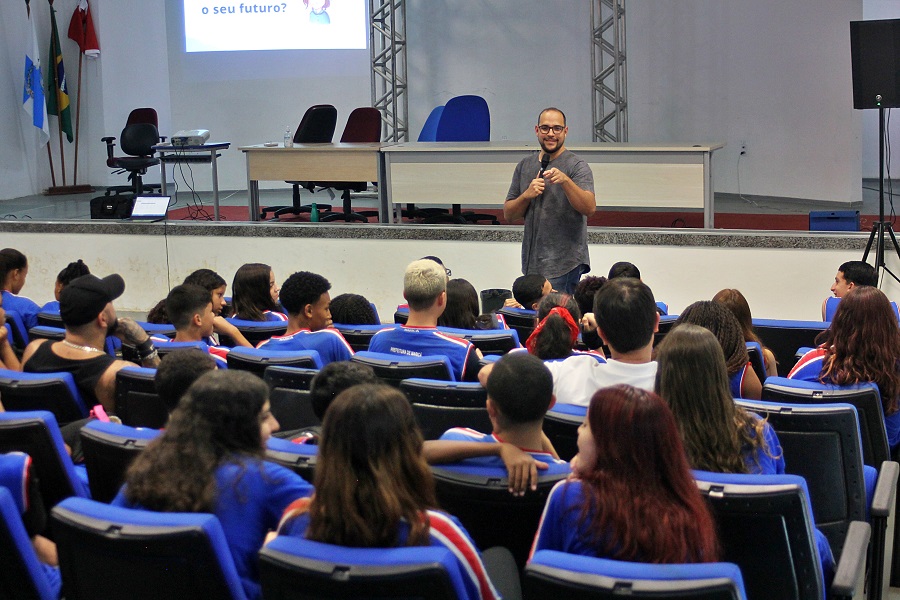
317 11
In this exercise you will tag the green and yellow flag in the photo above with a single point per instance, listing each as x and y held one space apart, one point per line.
57 90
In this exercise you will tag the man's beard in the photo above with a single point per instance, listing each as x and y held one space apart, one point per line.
111 328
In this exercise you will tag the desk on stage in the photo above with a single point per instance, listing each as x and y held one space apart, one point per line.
311 162
625 175
169 153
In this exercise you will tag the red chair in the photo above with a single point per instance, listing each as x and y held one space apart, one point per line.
363 125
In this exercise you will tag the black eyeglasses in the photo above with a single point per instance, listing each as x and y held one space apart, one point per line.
549 128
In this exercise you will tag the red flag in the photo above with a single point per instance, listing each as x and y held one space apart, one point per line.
81 30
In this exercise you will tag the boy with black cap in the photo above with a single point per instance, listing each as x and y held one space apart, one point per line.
85 306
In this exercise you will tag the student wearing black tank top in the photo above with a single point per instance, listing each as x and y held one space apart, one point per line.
89 316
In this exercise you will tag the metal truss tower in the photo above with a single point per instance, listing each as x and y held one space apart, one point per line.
609 95
387 48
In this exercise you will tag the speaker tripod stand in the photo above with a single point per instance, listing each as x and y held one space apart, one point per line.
881 227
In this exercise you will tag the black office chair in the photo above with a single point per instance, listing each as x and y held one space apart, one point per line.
138 145
316 127
479 497
113 552
363 125
289 396
394 368
765 527
137 402
137 141
109 448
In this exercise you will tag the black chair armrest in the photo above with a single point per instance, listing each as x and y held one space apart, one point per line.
851 567
885 489
109 146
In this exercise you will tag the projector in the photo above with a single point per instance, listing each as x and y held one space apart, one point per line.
190 137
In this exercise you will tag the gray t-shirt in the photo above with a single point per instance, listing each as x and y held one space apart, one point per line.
555 240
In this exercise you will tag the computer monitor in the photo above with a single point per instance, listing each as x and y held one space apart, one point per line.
150 208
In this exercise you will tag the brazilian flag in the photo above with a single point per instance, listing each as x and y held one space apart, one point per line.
57 90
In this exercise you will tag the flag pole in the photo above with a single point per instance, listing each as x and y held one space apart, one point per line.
56 51
77 119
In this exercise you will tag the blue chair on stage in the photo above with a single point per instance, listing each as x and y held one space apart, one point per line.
295 568
113 552
552 574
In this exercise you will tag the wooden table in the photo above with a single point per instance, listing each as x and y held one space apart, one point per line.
675 176
311 162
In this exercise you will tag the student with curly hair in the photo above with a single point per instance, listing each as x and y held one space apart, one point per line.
375 490
256 294
305 298
862 344
71 271
724 325
629 448
735 301
13 272
353 309
211 459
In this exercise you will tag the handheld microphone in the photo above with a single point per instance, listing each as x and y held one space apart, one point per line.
544 163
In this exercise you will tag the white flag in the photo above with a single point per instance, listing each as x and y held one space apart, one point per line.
33 91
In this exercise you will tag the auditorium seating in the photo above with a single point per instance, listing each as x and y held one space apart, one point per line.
256 360
254 331
765 527
23 574
561 427
489 341
293 568
299 458
552 574
137 403
358 336
757 360
109 448
783 337
520 319
289 396
394 368
54 392
442 405
16 326
113 552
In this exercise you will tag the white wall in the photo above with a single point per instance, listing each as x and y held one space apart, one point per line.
374 268
773 73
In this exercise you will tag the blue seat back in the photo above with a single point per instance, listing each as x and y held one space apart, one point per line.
255 331
783 337
358 336
137 402
765 526
256 360
394 368
143 554
561 427
464 119
15 470
429 129
109 448
441 405
489 341
17 327
37 434
519 319
479 497
821 444
865 397
757 359
295 568
299 458
552 574
24 577
54 392
832 303
166 347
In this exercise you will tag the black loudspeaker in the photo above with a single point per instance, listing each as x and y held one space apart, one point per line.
111 207
875 57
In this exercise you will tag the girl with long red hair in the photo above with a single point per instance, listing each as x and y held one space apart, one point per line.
632 496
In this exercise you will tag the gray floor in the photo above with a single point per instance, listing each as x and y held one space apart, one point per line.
77 206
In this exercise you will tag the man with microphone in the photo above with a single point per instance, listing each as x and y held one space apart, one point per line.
553 190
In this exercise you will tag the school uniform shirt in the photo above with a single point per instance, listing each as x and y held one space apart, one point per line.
252 494
329 343
464 434
444 531
428 341
24 306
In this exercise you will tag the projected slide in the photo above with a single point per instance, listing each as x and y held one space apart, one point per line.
230 25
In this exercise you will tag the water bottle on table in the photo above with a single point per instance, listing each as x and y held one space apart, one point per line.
288 138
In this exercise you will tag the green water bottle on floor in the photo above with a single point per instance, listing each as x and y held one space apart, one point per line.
314 213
